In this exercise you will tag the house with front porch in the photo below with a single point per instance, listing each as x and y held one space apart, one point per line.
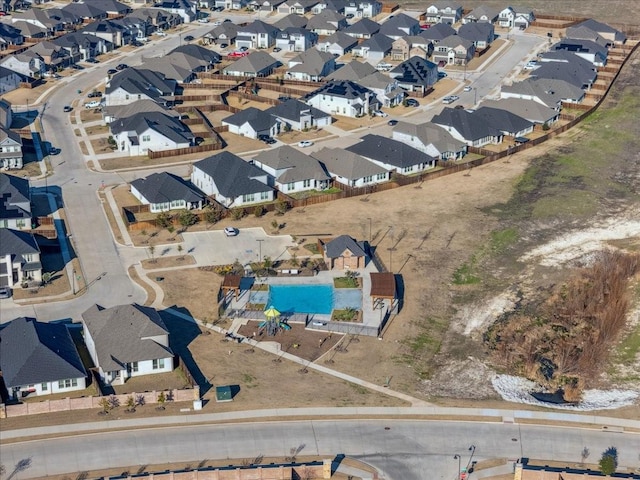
27 63
165 191
482 13
386 89
311 66
362 8
454 50
299 7
430 139
19 259
343 97
481 34
10 150
393 155
292 171
257 34
344 253
444 11
126 341
293 39
232 181
39 358
327 22
374 49
351 169
471 129
296 115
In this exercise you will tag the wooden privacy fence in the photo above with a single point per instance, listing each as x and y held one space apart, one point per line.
184 151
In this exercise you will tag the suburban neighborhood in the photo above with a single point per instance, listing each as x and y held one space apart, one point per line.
189 188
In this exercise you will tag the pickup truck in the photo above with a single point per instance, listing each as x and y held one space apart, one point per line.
92 104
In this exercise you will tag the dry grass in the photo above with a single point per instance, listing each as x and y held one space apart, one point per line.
110 217
151 294
168 262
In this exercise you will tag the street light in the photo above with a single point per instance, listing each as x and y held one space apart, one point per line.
73 281
260 240
456 456
475 95
472 449
369 218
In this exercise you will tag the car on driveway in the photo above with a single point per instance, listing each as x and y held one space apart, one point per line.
92 60
277 49
231 231
412 102
5 292
380 113
112 71
92 104
54 151
392 122
122 66
305 143
95 94
238 54
267 139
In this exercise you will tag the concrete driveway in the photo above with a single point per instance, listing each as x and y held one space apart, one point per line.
215 248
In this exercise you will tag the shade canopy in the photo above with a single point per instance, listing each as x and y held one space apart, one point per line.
271 312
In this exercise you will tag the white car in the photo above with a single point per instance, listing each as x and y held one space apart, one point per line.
160 33
216 23
230 231
467 88
305 143
203 20
92 104
380 113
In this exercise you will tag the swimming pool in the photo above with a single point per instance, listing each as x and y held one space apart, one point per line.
319 299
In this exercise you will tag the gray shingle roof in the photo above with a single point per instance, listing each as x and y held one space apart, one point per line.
347 164
17 242
581 46
550 91
259 120
390 152
378 43
575 72
354 70
476 31
232 175
142 81
362 27
298 165
141 106
471 127
121 334
34 352
399 25
335 247
311 61
165 187
204 55
429 133
253 63
343 89
341 39
503 120
292 110
291 20
166 125
437 32
529 109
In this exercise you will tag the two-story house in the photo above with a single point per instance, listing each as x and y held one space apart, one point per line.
454 50
10 150
386 88
362 8
256 35
19 259
444 11
480 33
311 65
327 22
133 84
138 134
343 97
27 63
15 202
294 39
415 74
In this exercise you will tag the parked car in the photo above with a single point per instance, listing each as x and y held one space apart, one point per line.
5 292
467 88
305 143
449 99
284 98
92 104
92 60
231 231
122 66
425 26
267 139
67 108
384 67
380 113
95 94
442 74
243 49
138 43
238 54
277 49
112 71
392 122
216 23
3 13
223 45
412 102
189 38
203 20
75 66
54 151
160 33
532 65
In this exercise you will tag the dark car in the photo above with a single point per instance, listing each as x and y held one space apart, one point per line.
5 292
267 139
412 102
392 122
122 66
136 43
283 98
95 94
75 66
223 45
112 71
188 38
243 49
277 49
67 108
54 151
92 60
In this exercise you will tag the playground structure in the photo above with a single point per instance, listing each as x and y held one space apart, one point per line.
273 322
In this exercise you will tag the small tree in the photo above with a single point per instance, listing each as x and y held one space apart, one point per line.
180 252
163 220
281 207
162 398
131 404
187 218
275 225
237 213
258 211
152 250
171 229
212 214
294 260
46 278
105 405
609 461
545 126
267 263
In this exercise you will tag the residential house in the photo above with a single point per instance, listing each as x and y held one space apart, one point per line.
298 7
231 181
112 7
224 34
508 123
165 191
296 115
587 49
335 5
578 72
265 5
415 74
9 79
87 45
186 9
351 169
30 31
194 57
481 13
311 66
291 21
292 171
523 17
411 46
67 19
114 112
393 155
327 22
256 35
471 129
365 28
138 134
438 32
110 30
126 341
15 202
294 39
133 84
138 29
6 114
19 259
386 89
430 139
546 91
252 122
530 110
362 8
84 10
38 17
507 17
27 63
182 65
444 11
454 50
39 358
157 18
10 35
344 253
343 97
399 26
481 34
610 34
354 71
256 64
338 44
10 149
374 49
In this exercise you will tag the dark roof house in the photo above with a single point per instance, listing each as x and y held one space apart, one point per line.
392 154
166 191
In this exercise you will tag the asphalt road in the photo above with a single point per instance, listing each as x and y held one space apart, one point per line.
401 449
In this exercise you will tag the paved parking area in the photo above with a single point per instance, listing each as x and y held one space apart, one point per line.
215 248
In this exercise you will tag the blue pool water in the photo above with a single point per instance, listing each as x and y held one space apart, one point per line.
320 299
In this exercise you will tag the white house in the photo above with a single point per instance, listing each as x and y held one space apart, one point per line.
311 65
231 181
430 139
154 131
343 97
296 115
27 63
10 150
165 191
363 8
15 212
252 122
351 169
19 259
133 84
126 341
393 155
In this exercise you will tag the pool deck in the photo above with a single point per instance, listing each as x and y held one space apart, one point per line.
371 318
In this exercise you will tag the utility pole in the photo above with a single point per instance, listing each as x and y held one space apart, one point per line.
260 240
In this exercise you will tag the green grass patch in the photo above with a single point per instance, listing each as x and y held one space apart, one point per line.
345 282
503 239
629 347
466 274
422 347
247 378
358 388
314 193
312 247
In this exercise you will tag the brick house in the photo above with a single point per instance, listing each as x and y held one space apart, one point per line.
344 253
